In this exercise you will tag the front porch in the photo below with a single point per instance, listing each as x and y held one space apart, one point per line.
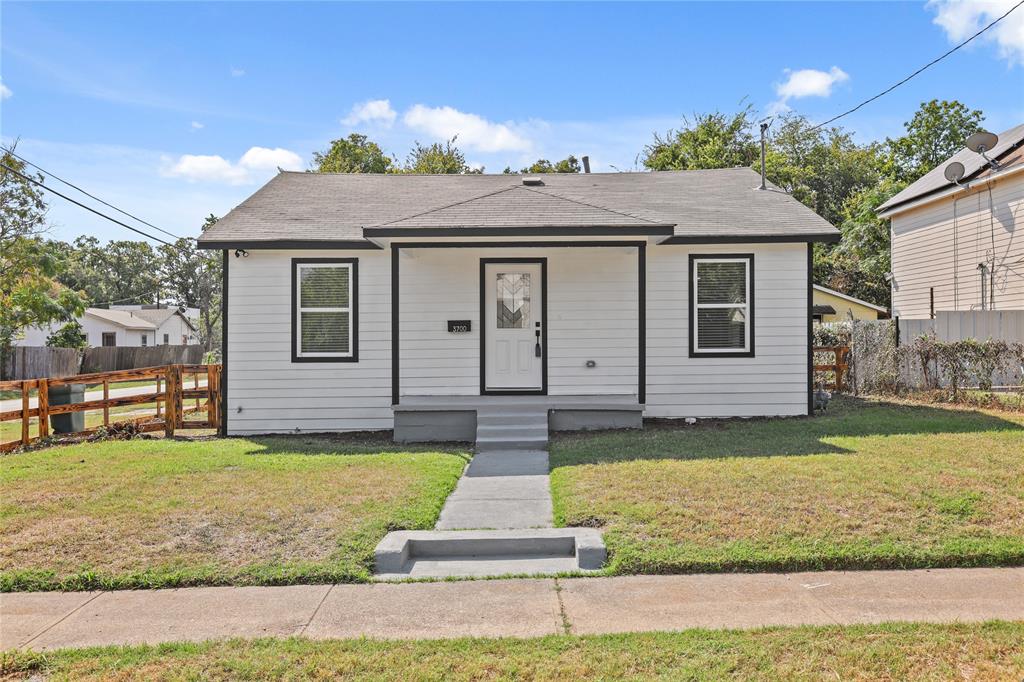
510 421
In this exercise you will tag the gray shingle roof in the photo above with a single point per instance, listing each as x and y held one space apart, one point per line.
332 207
935 179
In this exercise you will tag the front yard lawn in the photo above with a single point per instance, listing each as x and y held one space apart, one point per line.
162 513
989 651
869 484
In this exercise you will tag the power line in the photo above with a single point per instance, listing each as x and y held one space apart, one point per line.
926 66
89 208
91 196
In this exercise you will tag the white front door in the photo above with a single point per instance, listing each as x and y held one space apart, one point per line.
513 337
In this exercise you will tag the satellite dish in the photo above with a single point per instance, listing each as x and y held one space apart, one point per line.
981 142
954 172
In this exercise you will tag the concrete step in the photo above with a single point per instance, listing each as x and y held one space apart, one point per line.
511 432
512 417
487 444
440 553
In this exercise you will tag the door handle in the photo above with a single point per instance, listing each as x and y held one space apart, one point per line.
536 349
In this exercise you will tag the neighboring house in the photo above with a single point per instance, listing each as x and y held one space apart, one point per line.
957 246
408 301
834 306
116 327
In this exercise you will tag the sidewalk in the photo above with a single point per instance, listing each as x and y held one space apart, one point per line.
515 608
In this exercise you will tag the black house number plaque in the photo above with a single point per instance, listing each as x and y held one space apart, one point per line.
459 326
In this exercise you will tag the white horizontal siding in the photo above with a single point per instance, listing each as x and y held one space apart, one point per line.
277 395
773 382
927 252
592 315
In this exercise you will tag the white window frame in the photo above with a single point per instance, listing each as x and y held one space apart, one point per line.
746 306
299 267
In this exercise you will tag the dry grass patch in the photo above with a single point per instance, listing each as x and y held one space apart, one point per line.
147 513
868 485
980 652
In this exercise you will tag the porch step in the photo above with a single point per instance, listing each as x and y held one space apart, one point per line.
441 554
519 427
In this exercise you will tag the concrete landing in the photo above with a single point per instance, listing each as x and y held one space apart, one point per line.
451 553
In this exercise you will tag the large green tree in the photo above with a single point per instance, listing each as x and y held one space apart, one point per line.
352 154
821 167
120 271
30 294
192 279
438 158
714 140
937 130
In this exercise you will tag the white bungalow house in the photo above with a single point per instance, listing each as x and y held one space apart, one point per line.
129 326
414 302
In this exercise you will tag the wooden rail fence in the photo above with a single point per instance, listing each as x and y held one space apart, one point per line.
838 368
172 399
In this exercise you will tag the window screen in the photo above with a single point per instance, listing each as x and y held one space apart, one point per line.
324 325
721 314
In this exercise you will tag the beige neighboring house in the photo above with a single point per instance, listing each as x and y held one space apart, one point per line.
956 246
834 306
118 327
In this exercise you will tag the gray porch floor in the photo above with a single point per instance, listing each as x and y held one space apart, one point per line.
417 403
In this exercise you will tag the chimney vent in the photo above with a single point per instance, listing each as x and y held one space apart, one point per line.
586 164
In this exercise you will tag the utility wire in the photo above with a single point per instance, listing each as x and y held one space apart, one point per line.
89 208
926 66
91 196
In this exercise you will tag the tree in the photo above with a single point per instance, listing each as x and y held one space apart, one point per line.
820 167
438 159
569 164
354 154
71 335
120 271
29 293
192 279
713 140
936 132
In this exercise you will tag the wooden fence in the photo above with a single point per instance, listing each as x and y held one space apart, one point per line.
833 375
117 358
35 362
171 396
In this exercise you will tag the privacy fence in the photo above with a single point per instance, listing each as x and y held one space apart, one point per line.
168 399
38 362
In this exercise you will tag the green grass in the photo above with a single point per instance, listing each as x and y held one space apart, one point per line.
989 651
869 484
239 511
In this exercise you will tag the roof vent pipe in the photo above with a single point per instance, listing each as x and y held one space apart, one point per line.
586 164
764 130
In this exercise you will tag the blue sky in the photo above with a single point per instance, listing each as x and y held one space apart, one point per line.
177 110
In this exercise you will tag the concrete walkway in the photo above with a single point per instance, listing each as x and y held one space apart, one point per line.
514 608
501 490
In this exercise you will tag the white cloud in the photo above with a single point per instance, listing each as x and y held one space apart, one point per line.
252 167
196 125
961 19
5 91
809 83
474 132
236 72
371 111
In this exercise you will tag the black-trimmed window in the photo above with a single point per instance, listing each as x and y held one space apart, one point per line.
722 305
325 309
